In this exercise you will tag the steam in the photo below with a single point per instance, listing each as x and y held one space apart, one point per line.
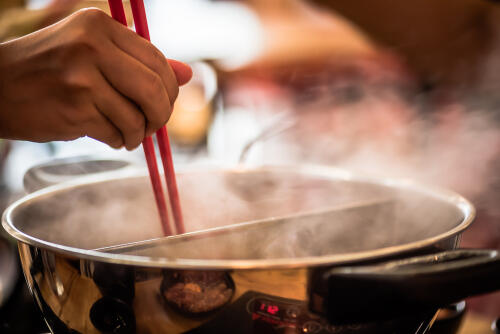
384 134
93 216
326 215
384 127
366 126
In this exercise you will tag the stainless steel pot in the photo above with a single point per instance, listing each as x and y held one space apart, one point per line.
9 272
258 282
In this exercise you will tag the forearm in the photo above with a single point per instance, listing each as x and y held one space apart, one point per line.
434 37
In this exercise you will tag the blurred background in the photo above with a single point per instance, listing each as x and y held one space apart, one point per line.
389 88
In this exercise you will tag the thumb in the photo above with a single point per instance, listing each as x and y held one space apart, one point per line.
182 71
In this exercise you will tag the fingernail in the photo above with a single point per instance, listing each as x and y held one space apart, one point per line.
130 149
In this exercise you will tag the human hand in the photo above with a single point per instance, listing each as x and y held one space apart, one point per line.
86 75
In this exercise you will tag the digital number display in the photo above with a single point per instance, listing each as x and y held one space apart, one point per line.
285 316
269 308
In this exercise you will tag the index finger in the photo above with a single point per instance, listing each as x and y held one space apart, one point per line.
145 52
183 72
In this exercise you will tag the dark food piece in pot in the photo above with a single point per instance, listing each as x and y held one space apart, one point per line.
197 292
111 315
115 281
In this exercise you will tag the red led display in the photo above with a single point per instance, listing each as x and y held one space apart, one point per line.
269 308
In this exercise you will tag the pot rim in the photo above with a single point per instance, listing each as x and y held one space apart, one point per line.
448 196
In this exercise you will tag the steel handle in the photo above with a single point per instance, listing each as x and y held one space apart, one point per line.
360 294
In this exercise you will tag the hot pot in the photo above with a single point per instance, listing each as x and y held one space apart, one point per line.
341 254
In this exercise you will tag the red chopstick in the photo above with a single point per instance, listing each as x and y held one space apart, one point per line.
118 13
168 165
140 20
149 151
141 26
